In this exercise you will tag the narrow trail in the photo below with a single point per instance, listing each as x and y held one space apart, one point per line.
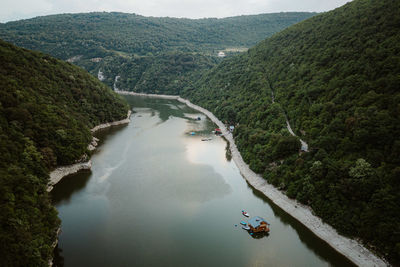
304 145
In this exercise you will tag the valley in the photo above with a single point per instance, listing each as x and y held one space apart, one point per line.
312 99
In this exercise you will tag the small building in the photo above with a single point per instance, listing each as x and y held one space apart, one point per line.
218 131
231 128
221 54
258 224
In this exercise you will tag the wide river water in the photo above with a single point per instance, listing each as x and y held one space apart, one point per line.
159 196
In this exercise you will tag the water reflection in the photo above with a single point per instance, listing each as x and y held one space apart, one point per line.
165 108
259 235
58 260
105 134
324 250
71 184
228 153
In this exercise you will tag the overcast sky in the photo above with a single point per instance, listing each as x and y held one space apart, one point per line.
22 9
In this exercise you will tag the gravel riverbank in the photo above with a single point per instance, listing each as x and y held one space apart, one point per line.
350 248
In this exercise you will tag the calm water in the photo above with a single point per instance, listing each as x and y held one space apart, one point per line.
157 196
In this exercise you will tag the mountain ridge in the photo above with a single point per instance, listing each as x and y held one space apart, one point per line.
129 46
248 29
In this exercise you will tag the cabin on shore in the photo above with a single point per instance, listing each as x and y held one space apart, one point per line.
258 224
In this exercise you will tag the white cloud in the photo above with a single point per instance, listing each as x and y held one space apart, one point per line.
307 5
20 9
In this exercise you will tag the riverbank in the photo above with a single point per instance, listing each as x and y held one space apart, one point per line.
62 171
351 249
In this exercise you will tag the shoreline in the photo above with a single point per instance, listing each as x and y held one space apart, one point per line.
350 248
61 171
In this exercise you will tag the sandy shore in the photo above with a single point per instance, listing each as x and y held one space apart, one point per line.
350 248
62 171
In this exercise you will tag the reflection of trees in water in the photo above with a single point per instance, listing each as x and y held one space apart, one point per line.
228 153
318 246
69 185
58 260
165 107
258 235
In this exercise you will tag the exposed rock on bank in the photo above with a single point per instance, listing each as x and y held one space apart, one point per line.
350 248
92 146
82 164
114 123
60 172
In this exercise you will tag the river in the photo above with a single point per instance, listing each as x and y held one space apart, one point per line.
159 196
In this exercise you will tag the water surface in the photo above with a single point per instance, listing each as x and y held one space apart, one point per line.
158 196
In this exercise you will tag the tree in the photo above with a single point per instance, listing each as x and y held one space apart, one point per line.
362 170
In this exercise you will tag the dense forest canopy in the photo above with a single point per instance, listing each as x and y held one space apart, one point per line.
47 108
166 73
137 48
335 77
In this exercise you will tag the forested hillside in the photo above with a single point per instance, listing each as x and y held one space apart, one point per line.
166 73
47 107
135 47
95 34
336 78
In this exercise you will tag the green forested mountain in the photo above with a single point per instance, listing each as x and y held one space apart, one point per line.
336 78
166 73
136 47
47 107
96 34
